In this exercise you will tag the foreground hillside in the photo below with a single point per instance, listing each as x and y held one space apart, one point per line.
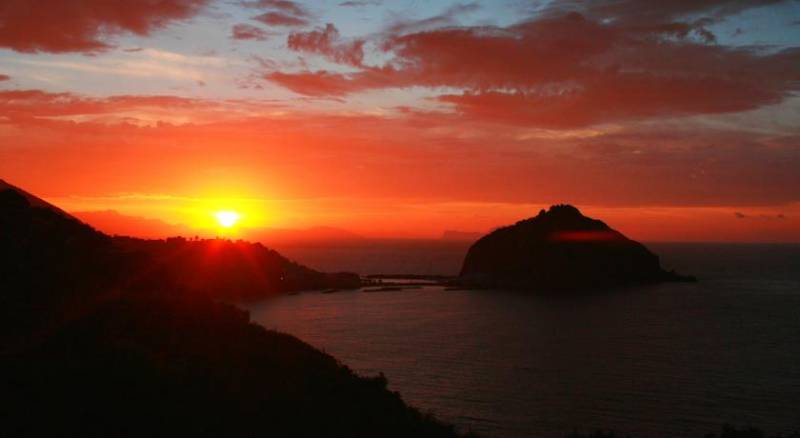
110 337
149 366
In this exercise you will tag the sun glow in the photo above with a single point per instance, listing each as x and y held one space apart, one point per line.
227 219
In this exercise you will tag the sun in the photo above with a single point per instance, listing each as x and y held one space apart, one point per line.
227 218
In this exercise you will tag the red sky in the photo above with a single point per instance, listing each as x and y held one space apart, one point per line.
669 120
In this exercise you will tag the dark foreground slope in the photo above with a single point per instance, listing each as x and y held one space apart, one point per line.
560 249
149 366
100 339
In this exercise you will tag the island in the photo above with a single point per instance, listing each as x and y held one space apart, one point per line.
560 249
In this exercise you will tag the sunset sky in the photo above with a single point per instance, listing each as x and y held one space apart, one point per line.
670 120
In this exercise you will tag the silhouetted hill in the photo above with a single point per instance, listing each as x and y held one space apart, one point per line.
560 249
38 237
32 200
128 337
49 262
224 269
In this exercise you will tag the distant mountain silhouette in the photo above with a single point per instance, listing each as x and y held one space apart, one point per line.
560 249
461 236
116 223
275 236
104 336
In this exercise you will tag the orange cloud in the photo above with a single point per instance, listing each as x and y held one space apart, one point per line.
38 107
173 142
399 174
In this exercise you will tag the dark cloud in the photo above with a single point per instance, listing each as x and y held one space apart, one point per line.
281 19
574 70
326 42
689 165
768 217
285 6
58 26
248 32
283 13
359 3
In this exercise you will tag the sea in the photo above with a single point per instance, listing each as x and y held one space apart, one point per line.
667 360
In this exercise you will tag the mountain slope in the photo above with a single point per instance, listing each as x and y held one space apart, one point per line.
129 338
42 246
49 261
33 201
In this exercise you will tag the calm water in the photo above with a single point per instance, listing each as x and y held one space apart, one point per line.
666 360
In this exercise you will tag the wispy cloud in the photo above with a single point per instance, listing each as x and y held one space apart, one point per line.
145 63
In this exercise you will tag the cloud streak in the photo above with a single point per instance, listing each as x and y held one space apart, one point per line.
248 32
281 13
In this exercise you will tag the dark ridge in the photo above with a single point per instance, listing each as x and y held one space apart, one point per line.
560 249
225 269
37 237
104 336
31 199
